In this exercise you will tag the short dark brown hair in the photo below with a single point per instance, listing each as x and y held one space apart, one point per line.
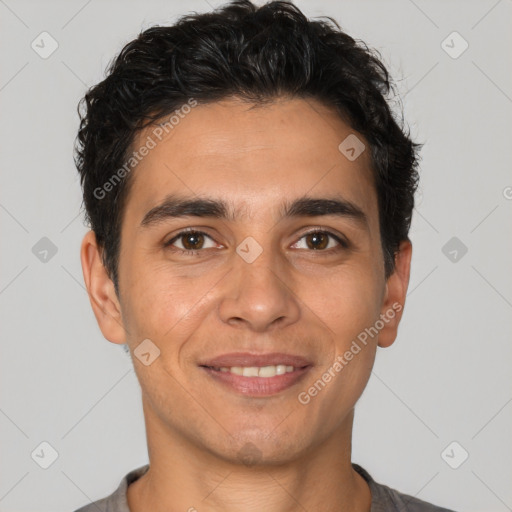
257 54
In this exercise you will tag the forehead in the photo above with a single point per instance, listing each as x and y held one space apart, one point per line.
250 156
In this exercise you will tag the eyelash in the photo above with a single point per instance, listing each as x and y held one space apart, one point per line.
189 252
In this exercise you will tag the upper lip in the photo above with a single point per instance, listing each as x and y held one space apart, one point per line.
247 359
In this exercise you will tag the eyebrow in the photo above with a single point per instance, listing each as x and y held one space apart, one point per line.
173 207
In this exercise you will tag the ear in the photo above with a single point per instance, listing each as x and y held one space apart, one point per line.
396 290
101 291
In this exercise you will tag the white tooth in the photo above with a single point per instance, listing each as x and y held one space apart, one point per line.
255 371
250 371
267 371
280 369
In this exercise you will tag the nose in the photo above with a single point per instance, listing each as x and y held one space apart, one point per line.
259 295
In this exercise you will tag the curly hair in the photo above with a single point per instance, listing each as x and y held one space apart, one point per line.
256 54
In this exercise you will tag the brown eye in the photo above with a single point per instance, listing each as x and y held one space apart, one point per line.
322 241
193 240
317 240
190 241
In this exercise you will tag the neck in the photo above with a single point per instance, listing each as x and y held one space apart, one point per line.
184 476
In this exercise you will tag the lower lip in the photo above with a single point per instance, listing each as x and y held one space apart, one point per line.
258 386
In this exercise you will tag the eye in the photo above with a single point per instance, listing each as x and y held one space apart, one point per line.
319 240
191 241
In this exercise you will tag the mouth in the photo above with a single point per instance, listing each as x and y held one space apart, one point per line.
265 372
257 375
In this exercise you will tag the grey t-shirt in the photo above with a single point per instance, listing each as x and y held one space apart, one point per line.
384 499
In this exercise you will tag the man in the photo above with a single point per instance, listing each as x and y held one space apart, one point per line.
249 195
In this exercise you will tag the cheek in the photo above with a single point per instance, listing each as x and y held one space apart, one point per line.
167 305
348 301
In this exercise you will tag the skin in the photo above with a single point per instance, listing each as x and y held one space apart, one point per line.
292 299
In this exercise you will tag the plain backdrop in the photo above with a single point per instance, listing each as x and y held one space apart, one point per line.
447 377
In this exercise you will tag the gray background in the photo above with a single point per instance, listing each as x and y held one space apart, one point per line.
447 377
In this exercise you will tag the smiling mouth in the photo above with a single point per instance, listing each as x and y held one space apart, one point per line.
257 380
257 371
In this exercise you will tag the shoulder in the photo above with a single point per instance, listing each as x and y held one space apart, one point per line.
98 506
385 499
116 502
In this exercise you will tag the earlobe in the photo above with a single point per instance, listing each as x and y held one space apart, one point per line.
396 291
101 291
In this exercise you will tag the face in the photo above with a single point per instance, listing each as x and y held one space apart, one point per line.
275 273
